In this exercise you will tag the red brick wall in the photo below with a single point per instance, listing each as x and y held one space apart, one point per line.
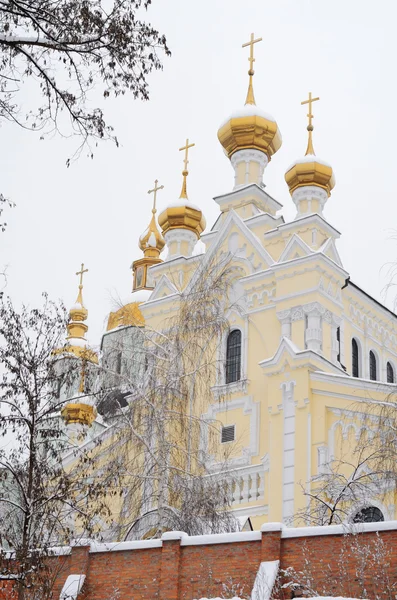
186 571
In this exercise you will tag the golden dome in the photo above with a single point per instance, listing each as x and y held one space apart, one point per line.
76 342
182 214
250 128
79 412
310 170
151 241
129 314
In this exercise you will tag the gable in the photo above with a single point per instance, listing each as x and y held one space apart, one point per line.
235 240
163 288
295 248
329 249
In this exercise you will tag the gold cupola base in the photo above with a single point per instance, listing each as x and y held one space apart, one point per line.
310 181
78 413
250 128
310 170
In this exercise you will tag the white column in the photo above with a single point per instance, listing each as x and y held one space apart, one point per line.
314 330
288 449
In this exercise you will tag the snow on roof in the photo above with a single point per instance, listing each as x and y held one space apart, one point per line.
79 342
249 110
77 306
72 587
183 202
308 158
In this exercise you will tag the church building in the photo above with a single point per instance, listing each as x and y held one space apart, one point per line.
306 349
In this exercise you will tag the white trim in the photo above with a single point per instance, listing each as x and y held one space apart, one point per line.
294 242
311 219
359 383
250 408
258 193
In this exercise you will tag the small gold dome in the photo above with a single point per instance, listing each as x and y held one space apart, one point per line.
78 312
151 241
129 314
182 215
250 128
310 170
79 412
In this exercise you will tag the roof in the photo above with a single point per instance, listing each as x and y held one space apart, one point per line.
354 285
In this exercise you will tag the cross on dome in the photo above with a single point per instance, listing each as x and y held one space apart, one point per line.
80 295
185 172
250 94
154 191
309 101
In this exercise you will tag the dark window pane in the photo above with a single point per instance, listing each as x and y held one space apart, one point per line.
369 514
355 369
390 373
233 356
372 366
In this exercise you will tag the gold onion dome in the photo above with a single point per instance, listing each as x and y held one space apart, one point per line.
310 170
250 127
183 214
151 242
76 342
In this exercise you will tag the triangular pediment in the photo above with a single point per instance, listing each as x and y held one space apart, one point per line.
295 248
235 240
329 249
163 288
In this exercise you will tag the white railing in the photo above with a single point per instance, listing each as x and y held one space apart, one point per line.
245 485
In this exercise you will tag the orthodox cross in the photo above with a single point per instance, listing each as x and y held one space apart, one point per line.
251 56
186 149
81 273
310 101
154 191
185 172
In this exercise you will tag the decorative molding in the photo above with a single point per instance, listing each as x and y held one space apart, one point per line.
227 389
250 408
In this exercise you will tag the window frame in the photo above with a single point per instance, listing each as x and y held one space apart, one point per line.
373 364
356 341
229 365
390 365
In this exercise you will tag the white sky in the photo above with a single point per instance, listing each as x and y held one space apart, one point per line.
93 212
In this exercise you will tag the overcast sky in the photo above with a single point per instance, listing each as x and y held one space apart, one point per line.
342 50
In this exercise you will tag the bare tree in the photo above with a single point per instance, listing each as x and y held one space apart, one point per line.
42 503
67 48
170 478
345 484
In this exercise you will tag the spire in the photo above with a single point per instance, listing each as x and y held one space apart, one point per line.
309 101
185 172
151 241
250 94
78 313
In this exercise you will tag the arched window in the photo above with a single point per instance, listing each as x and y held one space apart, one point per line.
355 359
390 373
373 375
233 356
369 514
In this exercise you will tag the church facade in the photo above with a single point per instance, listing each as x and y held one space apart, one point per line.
306 349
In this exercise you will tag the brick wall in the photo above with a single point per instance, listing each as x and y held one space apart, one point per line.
180 567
